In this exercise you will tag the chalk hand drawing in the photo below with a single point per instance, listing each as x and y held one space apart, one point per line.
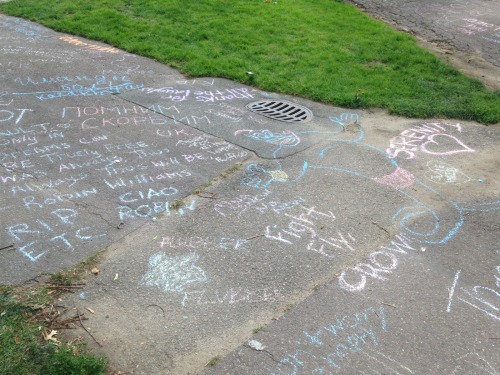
473 363
443 173
173 274
287 138
399 179
345 119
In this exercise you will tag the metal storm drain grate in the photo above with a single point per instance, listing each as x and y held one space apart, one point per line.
281 110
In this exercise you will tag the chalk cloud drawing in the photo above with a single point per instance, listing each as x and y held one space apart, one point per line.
473 363
173 274
444 173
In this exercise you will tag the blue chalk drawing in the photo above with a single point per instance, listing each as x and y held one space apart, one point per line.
437 231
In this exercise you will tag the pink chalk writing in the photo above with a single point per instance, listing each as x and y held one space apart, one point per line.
429 138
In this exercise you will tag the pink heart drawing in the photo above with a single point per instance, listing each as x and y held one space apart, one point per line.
448 148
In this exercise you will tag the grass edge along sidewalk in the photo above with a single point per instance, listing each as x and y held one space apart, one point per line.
324 50
30 323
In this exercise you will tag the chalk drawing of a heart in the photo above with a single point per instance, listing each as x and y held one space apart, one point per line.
444 144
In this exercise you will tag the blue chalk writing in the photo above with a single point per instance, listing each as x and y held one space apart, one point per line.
345 336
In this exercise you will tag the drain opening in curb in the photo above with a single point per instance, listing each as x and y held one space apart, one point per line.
281 110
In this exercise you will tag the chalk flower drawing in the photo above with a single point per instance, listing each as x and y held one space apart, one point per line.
173 274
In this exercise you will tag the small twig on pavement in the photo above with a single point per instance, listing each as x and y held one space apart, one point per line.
258 235
388 304
86 330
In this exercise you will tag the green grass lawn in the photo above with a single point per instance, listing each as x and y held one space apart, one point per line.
324 50
29 320
23 349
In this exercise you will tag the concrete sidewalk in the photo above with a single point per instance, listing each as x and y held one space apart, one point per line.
322 240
